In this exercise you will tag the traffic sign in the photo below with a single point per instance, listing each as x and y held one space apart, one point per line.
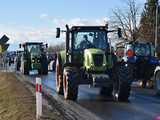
4 39
3 43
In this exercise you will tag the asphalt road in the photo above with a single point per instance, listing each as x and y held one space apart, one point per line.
143 103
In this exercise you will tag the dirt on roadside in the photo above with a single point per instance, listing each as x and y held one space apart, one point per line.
16 102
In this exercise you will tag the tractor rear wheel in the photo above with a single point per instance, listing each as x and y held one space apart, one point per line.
122 84
59 76
144 83
44 68
26 69
17 66
70 85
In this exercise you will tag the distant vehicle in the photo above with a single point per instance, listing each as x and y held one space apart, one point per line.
88 59
140 56
52 61
34 57
18 60
11 56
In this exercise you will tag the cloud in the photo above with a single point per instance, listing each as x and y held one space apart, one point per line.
73 21
44 16
21 33
79 21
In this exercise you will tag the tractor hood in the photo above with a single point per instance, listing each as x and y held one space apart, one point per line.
95 60
93 51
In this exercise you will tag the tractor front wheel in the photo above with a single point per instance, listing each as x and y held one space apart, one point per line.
24 68
144 83
122 84
59 76
70 85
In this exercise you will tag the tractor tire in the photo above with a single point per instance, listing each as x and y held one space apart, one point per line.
23 68
122 83
44 68
70 86
26 69
144 83
106 91
25 65
59 76
157 82
17 66
45 71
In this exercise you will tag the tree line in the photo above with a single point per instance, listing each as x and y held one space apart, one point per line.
136 25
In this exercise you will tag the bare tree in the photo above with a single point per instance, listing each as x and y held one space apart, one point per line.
127 19
56 48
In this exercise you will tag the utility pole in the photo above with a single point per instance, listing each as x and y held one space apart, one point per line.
134 21
156 28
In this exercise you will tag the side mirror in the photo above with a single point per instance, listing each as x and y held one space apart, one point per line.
67 27
58 32
119 33
20 45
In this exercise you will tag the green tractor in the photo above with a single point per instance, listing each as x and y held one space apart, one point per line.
34 58
88 59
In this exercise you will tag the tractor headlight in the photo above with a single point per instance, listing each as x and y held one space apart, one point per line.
33 60
104 64
92 64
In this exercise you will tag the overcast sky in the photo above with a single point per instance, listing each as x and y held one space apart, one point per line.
36 20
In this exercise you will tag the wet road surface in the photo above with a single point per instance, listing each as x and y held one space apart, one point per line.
143 103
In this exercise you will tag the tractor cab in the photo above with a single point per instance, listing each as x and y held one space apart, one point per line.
89 37
131 51
88 47
140 49
34 47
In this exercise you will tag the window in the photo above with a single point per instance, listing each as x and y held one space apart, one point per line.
91 39
34 49
142 49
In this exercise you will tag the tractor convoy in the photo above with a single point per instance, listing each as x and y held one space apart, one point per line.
89 59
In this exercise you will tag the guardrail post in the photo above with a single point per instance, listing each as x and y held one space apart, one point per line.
38 98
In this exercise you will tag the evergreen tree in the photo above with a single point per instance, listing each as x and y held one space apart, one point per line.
148 20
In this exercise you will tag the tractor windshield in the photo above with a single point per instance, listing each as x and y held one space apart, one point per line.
90 39
142 49
34 49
